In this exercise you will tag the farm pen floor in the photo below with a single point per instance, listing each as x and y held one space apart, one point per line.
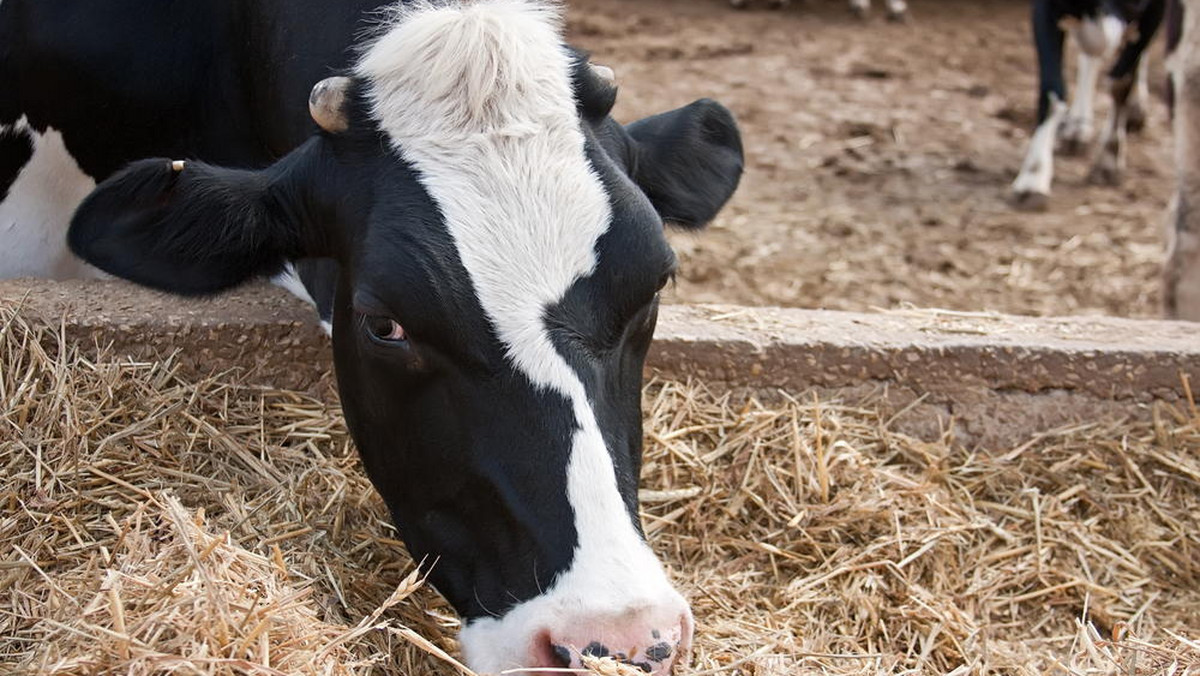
879 156
151 523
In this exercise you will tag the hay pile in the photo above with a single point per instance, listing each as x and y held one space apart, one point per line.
151 524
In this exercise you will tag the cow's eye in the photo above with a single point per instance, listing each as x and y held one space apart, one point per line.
384 330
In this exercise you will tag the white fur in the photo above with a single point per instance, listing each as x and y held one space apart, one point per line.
1098 40
896 7
1100 37
36 213
477 98
1037 171
1078 127
290 280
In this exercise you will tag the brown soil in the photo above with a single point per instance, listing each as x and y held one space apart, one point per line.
879 156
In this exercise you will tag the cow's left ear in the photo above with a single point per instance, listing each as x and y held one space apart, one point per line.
688 161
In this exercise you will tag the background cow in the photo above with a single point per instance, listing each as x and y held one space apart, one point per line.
499 246
1105 28
1181 287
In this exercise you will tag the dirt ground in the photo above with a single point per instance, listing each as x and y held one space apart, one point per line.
879 156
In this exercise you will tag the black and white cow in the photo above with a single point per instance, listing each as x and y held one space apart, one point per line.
897 10
499 244
1181 273
1103 28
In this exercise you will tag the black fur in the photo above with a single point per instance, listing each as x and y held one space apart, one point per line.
688 161
16 147
199 230
1047 16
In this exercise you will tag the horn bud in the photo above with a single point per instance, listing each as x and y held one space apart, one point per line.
327 103
604 73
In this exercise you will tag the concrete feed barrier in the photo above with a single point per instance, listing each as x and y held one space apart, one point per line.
988 379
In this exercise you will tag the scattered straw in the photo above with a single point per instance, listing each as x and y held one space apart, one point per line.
153 524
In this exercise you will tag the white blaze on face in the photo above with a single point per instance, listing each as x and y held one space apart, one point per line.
478 99
36 212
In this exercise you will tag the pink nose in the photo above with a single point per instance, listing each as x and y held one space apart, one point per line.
643 640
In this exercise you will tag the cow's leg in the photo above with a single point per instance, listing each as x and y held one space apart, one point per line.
1181 273
1110 160
860 8
897 10
1031 189
1136 115
739 4
40 186
1078 126
1098 38
1109 166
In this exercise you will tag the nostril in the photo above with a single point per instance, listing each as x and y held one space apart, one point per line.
595 649
547 653
659 652
561 655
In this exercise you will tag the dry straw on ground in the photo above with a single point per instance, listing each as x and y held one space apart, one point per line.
153 524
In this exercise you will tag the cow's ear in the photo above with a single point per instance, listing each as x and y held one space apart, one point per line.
688 161
192 228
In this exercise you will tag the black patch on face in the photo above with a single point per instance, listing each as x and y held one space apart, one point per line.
16 149
470 457
562 655
659 652
604 323
319 276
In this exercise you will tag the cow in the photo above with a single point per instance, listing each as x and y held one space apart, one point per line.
897 10
1103 28
498 241
1181 274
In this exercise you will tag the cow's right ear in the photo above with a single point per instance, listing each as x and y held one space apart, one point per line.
192 228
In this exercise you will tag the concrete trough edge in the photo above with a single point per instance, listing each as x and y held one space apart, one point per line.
989 379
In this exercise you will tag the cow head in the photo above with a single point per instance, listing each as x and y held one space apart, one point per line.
500 245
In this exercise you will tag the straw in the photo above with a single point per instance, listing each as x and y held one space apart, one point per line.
151 523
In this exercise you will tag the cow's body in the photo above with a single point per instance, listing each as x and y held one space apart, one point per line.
897 10
181 79
498 245
1181 287
1103 29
